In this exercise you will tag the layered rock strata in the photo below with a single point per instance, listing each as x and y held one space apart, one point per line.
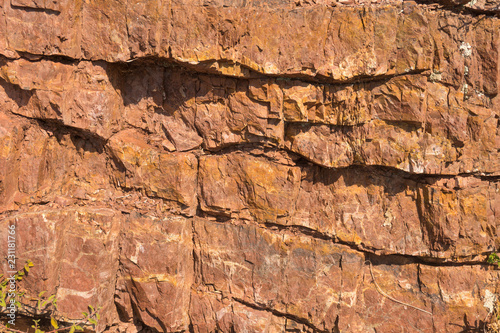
261 166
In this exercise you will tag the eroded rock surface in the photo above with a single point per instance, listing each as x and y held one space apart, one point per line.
262 166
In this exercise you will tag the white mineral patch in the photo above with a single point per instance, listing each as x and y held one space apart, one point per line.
466 49
435 76
489 300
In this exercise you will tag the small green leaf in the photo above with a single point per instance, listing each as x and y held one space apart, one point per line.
72 329
53 322
78 327
2 302
41 293
91 308
93 321
85 314
493 258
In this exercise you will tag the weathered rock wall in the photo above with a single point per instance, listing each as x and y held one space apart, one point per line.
254 166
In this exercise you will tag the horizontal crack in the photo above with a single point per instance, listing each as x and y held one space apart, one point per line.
54 125
371 252
444 5
423 178
203 68
280 314
36 10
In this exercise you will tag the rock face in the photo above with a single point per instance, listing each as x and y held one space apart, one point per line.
254 166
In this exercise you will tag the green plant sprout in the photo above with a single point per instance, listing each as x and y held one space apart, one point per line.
494 316
494 259
5 293
44 308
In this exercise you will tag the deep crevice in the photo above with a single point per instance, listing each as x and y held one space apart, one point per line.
280 314
203 67
36 10
374 255
458 9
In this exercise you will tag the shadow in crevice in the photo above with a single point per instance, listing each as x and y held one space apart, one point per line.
36 10
19 96
402 260
83 140
391 180
478 326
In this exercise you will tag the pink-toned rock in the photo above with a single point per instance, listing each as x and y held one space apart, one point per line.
325 285
339 42
75 256
165 175
78 96
402 216
265 258
262 166
245 186
156 272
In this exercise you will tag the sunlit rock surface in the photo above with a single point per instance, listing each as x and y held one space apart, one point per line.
254 166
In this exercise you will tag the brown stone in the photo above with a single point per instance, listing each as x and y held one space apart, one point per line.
262 166
156 272
75 256
268 191
164 175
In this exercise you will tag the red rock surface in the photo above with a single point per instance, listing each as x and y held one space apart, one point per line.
254 166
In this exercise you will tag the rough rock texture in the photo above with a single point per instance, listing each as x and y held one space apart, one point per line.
254 166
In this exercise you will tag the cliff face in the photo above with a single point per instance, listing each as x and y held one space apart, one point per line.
254 166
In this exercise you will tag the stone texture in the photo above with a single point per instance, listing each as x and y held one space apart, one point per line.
325 285
78 96
169 176
262 166
156 272
75 252
240 185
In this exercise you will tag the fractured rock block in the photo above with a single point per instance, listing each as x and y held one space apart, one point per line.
171 176
247 186
37 4
155 273
75 256
243 262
